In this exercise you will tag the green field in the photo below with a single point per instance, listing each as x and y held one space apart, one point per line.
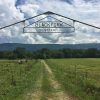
52 79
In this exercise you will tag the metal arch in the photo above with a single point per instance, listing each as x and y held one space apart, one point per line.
51 14
68 25
53 18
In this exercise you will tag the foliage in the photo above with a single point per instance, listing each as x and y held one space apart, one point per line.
21 53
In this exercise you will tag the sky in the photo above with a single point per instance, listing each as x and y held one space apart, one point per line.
87 11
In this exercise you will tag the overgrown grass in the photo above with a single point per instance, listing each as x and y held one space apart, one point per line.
16 80
79 77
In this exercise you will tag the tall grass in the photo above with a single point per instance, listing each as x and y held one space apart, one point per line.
79 77
17 79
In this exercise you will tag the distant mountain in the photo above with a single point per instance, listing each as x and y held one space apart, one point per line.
33 47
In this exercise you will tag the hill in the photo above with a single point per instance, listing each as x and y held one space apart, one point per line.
33 47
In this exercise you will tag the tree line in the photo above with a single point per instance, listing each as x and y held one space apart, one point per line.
22 53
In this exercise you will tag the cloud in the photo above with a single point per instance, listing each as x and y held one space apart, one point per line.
14 10
8 12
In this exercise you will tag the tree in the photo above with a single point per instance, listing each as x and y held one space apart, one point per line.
20 52
91 53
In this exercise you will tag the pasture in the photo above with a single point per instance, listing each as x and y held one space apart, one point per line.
50 79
